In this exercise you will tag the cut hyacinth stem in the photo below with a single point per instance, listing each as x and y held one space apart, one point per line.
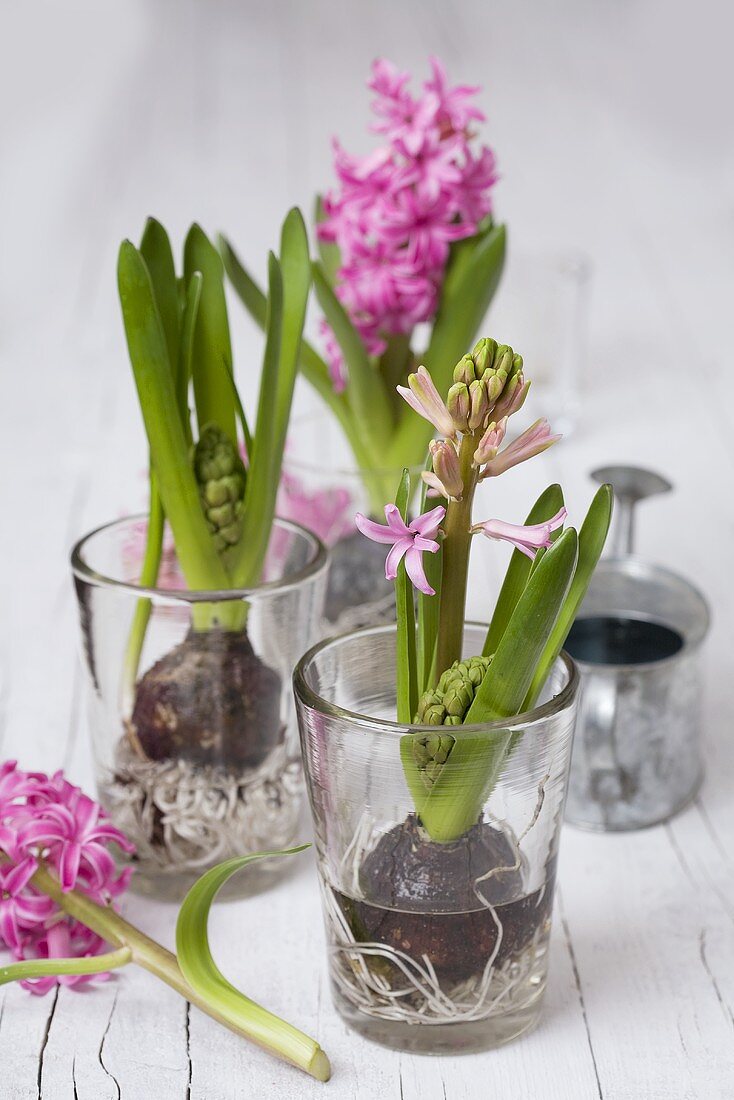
548 504
194 975
44 968
405 657
592 537
455 801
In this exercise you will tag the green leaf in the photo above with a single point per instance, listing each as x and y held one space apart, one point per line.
148 579
464 304
406 663
328 251
177 486
311 365
592 537
211 345
546 506
365 390
475 761
296 271
249 554
42 968
186 357
155 248
229 1005
428 606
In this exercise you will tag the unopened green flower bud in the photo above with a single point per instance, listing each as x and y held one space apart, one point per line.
459 405
479 404
221 477
446 705
483 355
464 370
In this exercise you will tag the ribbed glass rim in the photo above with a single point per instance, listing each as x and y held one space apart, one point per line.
306 695
84 572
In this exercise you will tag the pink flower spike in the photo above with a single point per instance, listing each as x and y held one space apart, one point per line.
537 438
528 540
425 399
409 541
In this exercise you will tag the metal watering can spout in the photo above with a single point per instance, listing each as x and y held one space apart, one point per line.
630 484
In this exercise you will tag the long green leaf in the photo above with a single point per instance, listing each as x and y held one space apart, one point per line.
169 453
232 1007
546 506
328 250
311 365
365 389
463 307
212 347
248 556
296 271
406 663
428 606
592 537
186 355
475 761
155 248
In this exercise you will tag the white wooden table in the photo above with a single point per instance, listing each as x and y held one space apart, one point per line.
612 125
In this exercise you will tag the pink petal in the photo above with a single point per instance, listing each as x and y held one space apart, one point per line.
428 523
395 556
68 865
414 569
377 532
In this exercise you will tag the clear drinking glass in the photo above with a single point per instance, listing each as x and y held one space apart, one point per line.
322 488
434 948
194 739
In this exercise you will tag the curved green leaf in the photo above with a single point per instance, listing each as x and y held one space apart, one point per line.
43 968
155 248
592 537
232 1007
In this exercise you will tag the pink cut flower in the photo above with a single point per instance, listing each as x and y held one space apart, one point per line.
63 940
47 819
528 540
409 541
424 398
395 211
537 438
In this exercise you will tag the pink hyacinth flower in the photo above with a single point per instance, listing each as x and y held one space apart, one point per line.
409 541
537 438
74 831
63 940
21 909
528 540
425 399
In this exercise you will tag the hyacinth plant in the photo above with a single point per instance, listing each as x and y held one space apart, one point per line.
220 508
60 890
406 243
450 777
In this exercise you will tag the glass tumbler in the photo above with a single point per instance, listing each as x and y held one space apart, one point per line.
433 947
192 724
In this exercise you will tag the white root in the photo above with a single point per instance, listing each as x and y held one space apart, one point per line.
184 817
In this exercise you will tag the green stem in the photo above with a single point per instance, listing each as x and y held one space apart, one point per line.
164 965
455 565
41 968
148 579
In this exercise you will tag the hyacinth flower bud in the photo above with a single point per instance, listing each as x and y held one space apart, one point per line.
479 404
458 403
490 442
483 355
446 476
513 397
447 705
221 477
464 371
